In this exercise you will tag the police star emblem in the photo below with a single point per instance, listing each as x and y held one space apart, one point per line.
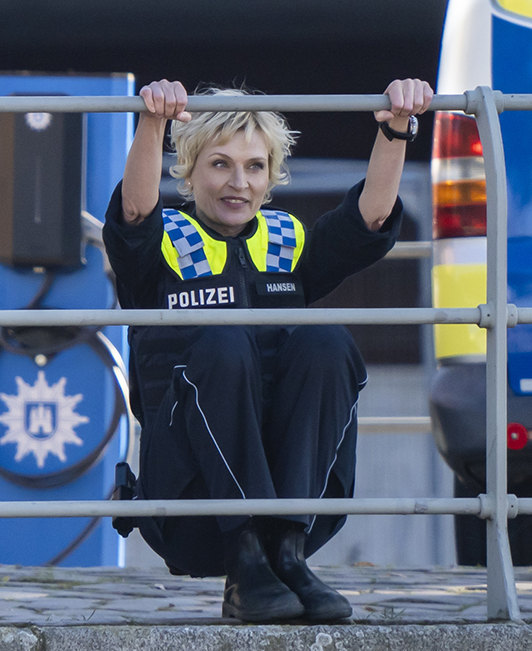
41 419
38 121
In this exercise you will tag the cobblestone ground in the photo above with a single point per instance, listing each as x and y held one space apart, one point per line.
92 596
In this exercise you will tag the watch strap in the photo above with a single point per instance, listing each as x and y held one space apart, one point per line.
409 135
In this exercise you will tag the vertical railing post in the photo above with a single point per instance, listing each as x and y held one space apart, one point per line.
502 594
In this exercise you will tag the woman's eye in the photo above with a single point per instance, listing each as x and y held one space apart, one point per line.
219 163
257 166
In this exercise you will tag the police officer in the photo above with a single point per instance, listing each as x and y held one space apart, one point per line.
246 411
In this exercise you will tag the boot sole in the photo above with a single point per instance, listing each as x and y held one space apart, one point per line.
273 614
324 615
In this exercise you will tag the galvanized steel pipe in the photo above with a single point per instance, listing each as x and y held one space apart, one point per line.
394 425
12 318
284 103
160 508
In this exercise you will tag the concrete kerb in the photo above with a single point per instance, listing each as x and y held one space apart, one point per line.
52 609
474 637
16 639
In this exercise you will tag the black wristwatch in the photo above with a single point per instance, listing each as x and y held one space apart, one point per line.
409 135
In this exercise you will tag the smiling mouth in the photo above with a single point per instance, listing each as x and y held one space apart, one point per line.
234 200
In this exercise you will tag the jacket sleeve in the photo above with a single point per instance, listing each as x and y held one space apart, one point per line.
134 253
340 245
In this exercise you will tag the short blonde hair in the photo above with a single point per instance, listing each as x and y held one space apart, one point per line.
189 138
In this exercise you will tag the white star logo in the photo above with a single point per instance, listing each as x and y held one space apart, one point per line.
41 419
38 121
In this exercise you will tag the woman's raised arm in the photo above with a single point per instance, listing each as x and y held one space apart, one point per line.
164 100
408 97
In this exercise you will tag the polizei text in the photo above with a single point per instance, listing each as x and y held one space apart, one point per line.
202 297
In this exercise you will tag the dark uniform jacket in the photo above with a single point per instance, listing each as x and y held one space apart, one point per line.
339 245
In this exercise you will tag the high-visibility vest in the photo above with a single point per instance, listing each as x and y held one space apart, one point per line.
191 252
206 277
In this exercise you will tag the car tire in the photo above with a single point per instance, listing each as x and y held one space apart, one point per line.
470 532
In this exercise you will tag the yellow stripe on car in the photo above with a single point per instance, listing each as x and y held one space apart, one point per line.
520 7
459 285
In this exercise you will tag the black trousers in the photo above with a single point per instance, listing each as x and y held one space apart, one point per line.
252 412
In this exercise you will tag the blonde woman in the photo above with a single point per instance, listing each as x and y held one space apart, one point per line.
246 411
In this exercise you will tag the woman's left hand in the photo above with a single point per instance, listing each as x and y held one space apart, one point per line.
408 97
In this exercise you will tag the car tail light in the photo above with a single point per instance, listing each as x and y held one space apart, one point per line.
458 179
517 436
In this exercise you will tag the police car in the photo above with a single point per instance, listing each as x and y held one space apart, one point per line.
485 42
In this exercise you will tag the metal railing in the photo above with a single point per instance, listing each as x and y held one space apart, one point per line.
495 506
394 425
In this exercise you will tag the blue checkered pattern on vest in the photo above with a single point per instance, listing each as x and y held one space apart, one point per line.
281 240
188 243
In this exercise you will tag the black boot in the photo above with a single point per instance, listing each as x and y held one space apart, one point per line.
253 592
286 553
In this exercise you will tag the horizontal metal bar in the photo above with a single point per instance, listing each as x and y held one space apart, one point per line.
394 424
524 505
516 102
410 250
414 315
285 103
71 104
524 315
144 508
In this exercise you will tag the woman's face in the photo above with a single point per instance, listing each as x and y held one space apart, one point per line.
229 182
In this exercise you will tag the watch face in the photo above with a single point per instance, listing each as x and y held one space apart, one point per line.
413 126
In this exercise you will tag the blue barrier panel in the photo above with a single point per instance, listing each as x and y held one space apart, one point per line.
61 407
516 37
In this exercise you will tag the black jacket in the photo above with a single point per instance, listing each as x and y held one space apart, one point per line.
338 246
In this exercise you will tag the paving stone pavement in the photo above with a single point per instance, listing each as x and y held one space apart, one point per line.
50 596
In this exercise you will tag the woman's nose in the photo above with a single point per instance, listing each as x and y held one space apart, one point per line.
238 178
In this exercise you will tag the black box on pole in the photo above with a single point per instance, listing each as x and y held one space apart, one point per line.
41 185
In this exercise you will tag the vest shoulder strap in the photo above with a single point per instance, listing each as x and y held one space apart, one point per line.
283 246
189 244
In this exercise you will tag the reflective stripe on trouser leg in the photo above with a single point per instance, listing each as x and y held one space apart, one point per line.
352 418
311 426
220 396
210 431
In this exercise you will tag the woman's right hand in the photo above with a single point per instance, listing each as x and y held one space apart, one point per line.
165 100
